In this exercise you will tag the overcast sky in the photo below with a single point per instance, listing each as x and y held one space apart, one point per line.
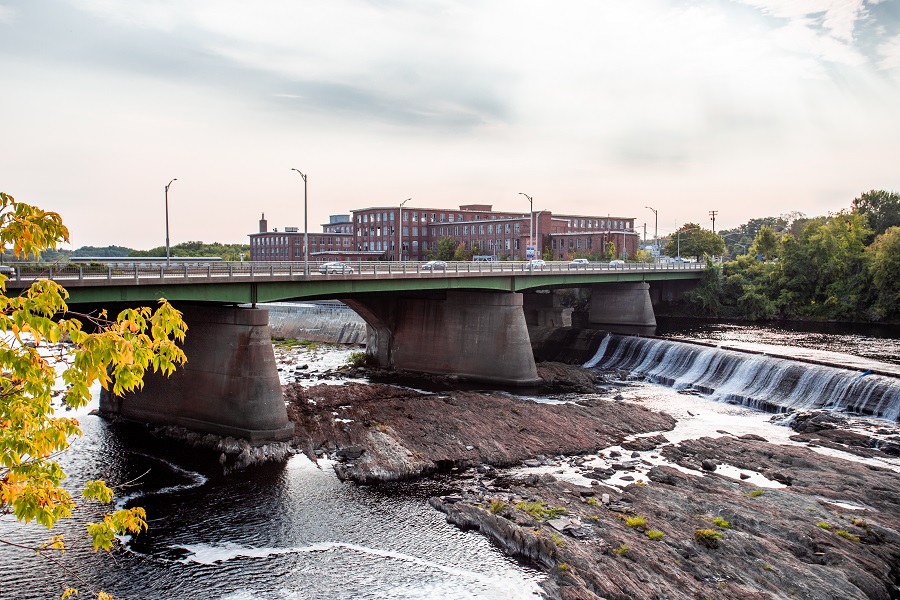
751 108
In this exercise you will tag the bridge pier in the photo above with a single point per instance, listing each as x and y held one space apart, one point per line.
622 303
480 336
229 385
546 310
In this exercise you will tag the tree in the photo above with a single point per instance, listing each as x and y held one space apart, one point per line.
881 208
692 240
883 263
766 243
444 250
116 353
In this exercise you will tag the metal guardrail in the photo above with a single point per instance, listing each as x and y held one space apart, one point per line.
182 273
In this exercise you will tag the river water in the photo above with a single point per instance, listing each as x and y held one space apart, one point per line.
293 531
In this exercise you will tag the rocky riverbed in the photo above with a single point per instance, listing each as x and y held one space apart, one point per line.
609 508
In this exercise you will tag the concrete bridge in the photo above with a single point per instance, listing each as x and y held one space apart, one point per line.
469 319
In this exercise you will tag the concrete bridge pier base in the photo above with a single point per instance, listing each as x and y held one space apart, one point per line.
623 303
229 385
480 336
546 310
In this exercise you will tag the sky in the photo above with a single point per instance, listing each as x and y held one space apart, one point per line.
750 108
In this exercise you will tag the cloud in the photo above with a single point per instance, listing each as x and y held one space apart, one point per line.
889 52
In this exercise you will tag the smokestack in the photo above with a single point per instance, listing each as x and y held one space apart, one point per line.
263 224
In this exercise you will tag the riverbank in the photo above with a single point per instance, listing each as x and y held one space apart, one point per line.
816 527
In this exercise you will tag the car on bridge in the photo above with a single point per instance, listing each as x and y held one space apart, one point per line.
434 265
617 264
7 270
579 263
537 263
336 267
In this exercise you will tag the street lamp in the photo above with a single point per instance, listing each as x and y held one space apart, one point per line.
305 231
655 229
167 219
530 223
401 227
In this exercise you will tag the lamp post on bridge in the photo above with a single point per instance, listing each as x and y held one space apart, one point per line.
305 230
400 220
167 219
655 229
530 227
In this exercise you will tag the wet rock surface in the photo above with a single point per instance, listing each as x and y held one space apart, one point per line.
831 532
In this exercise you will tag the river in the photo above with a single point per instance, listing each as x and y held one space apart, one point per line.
294 531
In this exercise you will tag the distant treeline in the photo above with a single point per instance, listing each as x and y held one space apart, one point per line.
843 267
188 249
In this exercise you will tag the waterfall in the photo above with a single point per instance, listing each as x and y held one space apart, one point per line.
760 381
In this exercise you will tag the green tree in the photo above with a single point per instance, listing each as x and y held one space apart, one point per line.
881 208
883 263
766 243
444 250
116 353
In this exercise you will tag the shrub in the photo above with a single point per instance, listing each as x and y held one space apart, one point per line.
636 522
655 534
557 540
357 359
563 567
592 501
621 550
858 522
720 522
708 537
496 506
540 511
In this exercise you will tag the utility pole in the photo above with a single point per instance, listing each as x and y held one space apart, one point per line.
712 215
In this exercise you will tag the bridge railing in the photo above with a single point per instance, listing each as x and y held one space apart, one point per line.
242 270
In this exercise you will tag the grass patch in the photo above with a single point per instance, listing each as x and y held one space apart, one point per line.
496 506
824 525
708 537
557 540
541 511
847 535
563 567
592 501
858 522
655 534
755 493
621 550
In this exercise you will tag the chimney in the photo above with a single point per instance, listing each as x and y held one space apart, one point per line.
263 224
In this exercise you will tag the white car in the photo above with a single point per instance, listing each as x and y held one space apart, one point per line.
617 263
335 267
537 263
434 265
579 263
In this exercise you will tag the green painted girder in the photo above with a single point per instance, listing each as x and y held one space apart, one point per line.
271 289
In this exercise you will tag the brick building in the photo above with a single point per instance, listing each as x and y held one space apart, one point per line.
379 233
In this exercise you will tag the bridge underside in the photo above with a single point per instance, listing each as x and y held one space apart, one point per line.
230 384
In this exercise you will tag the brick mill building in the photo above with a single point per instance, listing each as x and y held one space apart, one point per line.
392 233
